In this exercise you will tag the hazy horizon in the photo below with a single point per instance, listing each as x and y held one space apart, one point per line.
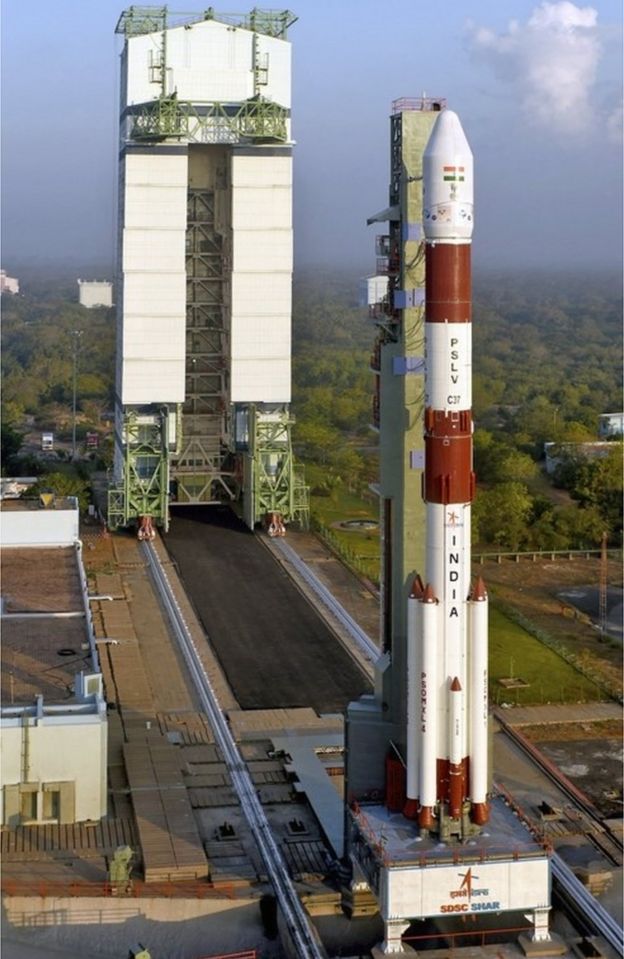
537 85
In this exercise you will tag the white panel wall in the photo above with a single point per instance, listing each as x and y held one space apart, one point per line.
61 749
154 278
208 62
265 250
44 527
497 887
261 277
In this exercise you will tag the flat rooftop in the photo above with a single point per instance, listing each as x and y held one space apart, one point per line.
503 837
41 650
34 505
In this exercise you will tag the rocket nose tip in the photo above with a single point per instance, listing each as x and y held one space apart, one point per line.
429 595
456 685
418 589
448 135
479 591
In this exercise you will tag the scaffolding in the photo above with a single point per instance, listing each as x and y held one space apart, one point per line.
137 20
145 487
204 471
278 482
255 119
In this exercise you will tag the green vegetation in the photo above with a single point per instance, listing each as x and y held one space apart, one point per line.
66 483
37 363
332 504
514 653
547 362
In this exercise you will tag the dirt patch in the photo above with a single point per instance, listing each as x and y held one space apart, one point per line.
566 732
589 754
532 589
595 766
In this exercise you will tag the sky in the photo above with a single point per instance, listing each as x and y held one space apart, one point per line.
537 84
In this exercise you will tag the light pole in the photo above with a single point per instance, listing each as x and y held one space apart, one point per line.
75 335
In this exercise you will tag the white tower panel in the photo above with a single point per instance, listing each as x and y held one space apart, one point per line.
211 62
261 277
153 298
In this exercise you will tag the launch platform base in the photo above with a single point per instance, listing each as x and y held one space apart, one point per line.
555 946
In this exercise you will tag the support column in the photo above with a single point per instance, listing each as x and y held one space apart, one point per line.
541 932
392 944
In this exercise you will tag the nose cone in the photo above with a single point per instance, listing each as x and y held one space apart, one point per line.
447 141
448 190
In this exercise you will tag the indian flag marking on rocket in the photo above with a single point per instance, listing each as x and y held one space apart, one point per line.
453 174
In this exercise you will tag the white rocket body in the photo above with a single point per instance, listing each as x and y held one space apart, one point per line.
451 632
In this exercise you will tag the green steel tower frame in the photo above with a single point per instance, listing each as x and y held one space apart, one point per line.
145 490
376 724
277 482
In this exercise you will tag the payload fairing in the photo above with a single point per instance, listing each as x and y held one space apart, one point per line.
447 721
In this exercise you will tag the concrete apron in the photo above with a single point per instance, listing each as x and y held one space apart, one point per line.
169 928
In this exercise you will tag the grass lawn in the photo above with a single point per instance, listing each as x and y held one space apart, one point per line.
361 545
514 652
512 649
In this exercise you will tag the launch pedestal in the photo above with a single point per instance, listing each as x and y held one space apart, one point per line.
414 877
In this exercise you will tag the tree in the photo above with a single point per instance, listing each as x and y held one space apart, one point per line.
501 515
62 484
595 481
316 440
11 442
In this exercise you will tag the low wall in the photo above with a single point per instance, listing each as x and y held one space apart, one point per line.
168 928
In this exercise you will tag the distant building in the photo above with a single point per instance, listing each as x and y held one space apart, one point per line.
555 453
12 487
8 284
95 293
53 719
611 424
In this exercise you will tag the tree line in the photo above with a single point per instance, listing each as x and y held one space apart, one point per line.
546 363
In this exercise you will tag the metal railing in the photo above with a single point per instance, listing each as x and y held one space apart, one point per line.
533 555
425 104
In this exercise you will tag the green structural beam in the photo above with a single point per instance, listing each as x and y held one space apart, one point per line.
278 482
137 20
145 484
168 117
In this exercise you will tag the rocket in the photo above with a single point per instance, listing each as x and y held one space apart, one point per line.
447 622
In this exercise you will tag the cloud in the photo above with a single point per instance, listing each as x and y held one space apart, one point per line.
551 61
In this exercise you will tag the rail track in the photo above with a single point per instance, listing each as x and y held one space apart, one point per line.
361 639
605 839
297 922
586 910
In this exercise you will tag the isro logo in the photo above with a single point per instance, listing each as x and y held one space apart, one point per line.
467 891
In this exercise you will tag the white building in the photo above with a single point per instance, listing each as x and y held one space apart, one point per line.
205 264
611 424
92 293
53 723
556 453
8 284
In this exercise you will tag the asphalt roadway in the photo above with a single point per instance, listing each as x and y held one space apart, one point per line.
587 599
273 647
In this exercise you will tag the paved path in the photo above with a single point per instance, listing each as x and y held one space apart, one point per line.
571 713
272 645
